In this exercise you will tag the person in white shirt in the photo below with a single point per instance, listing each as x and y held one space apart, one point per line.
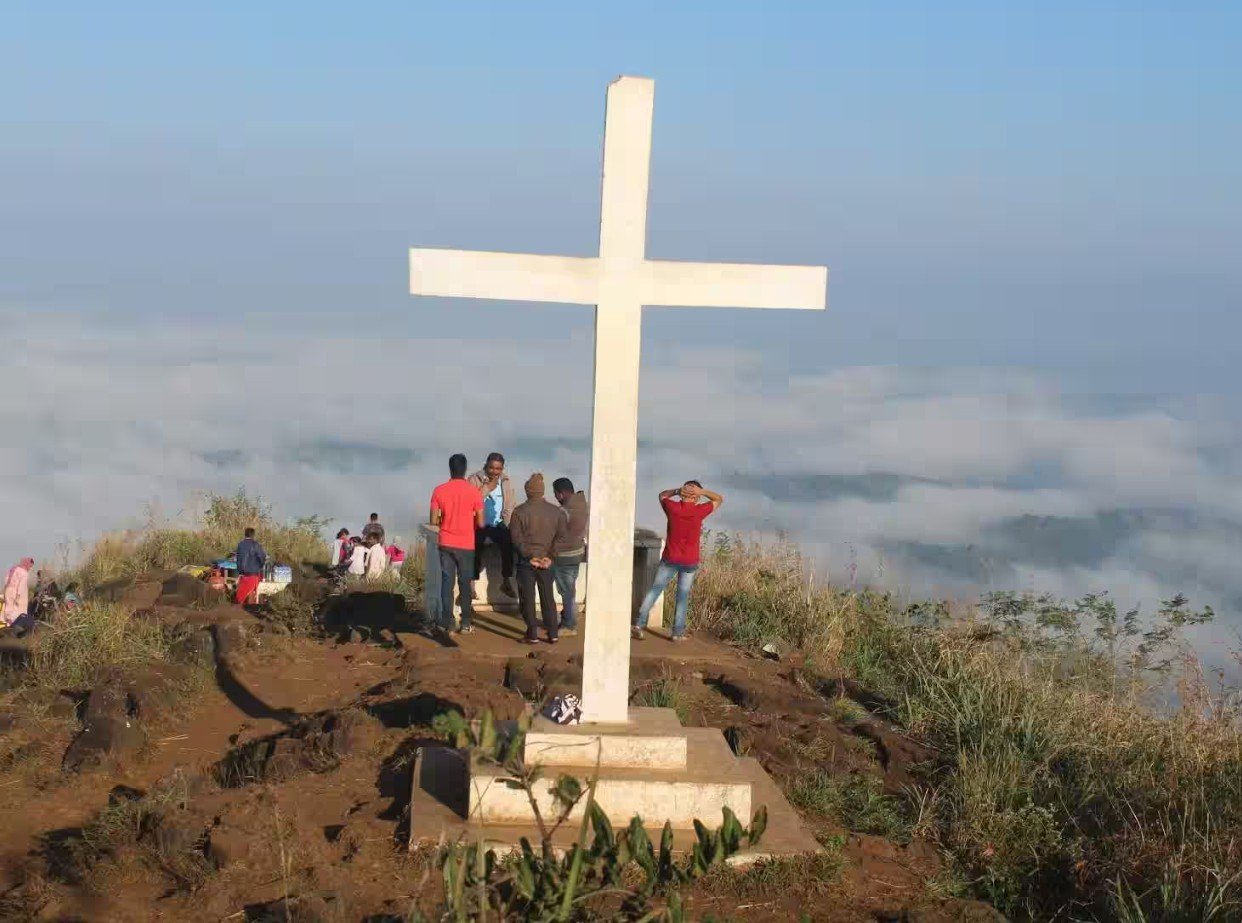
377 559
358 559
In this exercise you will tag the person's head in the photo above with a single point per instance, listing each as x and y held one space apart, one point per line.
457 466
355 540
26 563
691 490
372 540
495 465
562 489
375 517
250 532
344 533
534 486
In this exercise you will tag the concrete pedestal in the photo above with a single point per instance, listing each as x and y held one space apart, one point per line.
651 767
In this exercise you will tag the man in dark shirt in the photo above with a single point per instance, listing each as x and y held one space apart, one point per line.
570 551
536 526
250 561
685 508
373 528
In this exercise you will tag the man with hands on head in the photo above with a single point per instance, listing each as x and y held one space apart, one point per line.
685 508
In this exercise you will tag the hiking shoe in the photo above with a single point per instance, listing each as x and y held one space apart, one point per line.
465 630
568 632
530 641
637 633
678 638
553 640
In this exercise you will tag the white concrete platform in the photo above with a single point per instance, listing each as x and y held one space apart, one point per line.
652 739
711 780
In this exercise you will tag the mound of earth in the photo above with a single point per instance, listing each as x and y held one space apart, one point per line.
280 789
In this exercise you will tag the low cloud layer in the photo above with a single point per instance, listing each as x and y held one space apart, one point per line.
948 481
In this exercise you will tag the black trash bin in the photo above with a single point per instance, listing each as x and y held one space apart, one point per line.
647 546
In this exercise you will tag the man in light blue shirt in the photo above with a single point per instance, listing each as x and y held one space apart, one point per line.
498 504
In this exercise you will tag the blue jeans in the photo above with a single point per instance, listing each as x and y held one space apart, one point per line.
456 566
685 574
566 568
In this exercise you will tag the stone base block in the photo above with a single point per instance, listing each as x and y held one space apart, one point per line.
708 779
652 739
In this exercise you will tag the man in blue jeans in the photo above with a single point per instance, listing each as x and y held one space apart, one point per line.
568 554
685 508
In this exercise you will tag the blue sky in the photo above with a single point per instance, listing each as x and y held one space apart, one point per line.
1039 185
1026 378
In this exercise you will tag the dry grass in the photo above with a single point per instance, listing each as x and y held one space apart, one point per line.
83 642
752 594
126 554
1060 793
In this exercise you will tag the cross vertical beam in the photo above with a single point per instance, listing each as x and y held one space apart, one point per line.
614 428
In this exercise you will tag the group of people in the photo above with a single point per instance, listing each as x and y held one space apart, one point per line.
365 554
545 545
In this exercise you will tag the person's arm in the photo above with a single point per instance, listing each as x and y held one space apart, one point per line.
478 519
562 528
517 534
437 514
714 497
665 494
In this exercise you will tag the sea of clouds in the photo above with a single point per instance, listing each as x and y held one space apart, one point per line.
946 481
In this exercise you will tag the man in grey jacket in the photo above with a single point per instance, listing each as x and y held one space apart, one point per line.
538 526
498 505
568 554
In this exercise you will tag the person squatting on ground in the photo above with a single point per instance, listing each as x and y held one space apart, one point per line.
537 527
496 489
251 559
685 508
569 553
457 508
377 558
16 593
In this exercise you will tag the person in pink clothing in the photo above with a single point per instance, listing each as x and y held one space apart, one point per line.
16 592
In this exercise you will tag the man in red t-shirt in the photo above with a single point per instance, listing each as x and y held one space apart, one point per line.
686 508
457 508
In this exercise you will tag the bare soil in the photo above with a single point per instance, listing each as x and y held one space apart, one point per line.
283 787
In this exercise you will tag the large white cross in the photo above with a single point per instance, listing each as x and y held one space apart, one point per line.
618 282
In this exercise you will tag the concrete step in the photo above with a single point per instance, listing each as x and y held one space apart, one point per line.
652 739
711 779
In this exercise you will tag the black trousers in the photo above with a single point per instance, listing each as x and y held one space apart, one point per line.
499 534
528 580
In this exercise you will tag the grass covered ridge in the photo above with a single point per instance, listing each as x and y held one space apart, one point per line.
219 529
1059 792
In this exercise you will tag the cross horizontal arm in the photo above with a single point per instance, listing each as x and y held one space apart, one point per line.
735 285
504 276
